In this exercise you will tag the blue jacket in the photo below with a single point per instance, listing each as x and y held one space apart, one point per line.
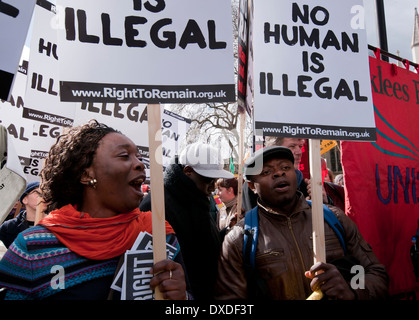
11 228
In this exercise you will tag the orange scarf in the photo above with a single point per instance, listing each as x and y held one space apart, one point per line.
98 238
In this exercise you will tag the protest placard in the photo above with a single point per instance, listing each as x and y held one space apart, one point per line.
25 133
311 61
42 97
137 276
15 17
133 278
152 52
327 145
135 52
42 108
243 45
12 181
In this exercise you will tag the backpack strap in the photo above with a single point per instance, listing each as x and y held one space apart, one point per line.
256 286
251 229
334 223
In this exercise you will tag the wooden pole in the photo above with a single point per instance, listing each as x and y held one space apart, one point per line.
18 208
240 173
317 207
40 204
40 207
156 182
317 201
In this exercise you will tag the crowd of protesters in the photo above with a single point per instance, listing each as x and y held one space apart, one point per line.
92 187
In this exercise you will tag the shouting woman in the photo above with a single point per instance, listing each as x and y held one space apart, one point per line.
91 184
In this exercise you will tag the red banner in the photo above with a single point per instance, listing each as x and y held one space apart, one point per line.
382 177
305 163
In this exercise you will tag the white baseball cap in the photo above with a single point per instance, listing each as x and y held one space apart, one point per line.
205 160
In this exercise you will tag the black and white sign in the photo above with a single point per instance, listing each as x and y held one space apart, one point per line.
136 284
42 91
146 52
311 70
15 17
133 278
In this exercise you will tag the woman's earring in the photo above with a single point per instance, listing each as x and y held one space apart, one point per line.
93 183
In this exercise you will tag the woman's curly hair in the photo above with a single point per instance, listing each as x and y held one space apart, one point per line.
67 159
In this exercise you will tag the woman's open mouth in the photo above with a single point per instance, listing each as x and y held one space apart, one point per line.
136 185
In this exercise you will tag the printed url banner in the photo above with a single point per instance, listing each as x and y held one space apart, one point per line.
42 116
98 92
317 131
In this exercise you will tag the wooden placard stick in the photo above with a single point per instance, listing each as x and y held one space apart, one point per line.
319 247
157 187
18 208
41 205
240 173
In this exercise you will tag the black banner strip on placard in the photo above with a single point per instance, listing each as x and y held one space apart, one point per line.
316 131
47 117
103 92
46 5
6 81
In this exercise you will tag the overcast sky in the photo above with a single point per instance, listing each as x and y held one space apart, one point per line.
399 15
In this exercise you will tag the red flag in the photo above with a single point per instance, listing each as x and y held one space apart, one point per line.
382 177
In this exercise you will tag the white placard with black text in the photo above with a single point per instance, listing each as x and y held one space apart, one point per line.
311 71
149 52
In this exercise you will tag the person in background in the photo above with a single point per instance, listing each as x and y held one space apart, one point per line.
339 180
215 205
227 216
330 177
332 193
188 185
283 265
18 207
296 146
91 184
25 218
145 189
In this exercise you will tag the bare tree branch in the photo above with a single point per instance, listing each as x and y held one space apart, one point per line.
217 122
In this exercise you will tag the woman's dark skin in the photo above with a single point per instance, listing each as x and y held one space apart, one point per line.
119 172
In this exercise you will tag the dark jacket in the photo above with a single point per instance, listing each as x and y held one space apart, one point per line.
285 251
187 209
335 195
12 227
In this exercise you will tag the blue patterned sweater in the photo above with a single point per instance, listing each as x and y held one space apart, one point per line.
27 269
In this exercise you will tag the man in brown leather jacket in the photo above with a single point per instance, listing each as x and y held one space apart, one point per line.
284 253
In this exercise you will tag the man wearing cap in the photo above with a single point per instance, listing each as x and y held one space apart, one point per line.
188 183
296 146
333 194
284 267
25 219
